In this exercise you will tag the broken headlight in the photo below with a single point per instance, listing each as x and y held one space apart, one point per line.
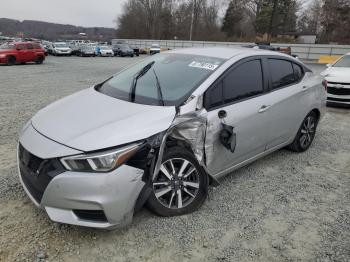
100 162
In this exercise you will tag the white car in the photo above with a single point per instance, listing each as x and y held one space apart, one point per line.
104 50
155 49
338 81
61 48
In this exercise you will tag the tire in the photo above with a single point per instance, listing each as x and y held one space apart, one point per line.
11 60
39 60
306 134
183 198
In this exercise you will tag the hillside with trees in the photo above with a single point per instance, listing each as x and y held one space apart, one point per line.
52 31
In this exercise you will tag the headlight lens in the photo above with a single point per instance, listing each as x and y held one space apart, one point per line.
2 55
100 162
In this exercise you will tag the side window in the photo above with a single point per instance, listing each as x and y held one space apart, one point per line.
213 97
298 72
21 47
282 73
244 81
36 46
29 46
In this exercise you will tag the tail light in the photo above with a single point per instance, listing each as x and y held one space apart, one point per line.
325 83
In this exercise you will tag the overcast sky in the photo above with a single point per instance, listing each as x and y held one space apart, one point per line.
76 12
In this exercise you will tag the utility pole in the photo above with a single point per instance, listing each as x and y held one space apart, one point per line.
192 19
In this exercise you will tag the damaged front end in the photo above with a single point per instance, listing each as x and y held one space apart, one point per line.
190 132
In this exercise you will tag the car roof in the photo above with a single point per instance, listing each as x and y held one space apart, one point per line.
26 42
226 52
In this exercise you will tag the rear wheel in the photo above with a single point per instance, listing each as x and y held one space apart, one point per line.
11 60
181 185
306 134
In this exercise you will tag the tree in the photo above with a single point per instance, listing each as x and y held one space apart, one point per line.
335 21
233 18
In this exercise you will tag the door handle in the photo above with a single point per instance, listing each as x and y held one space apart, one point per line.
264 109
305 88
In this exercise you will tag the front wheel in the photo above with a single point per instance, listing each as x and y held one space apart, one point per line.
306 134
181 185
39 60
11 60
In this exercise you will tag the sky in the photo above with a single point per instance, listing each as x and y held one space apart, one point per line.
88 13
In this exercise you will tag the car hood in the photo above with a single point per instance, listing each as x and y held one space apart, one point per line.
4 51
106 50
89 120
337 74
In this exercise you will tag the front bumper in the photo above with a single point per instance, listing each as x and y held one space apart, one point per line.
100 200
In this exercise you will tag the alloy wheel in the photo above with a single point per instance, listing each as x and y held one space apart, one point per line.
308 130
177 183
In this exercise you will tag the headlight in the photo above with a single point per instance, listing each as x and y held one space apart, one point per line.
100 162
2 55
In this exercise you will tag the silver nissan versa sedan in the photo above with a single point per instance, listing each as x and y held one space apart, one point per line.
163 130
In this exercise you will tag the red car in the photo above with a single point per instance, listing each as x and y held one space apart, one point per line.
21 52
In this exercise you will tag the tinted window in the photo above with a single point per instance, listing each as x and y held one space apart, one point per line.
21 47
29 46
343 62
213 97
244 81
282 73
298 72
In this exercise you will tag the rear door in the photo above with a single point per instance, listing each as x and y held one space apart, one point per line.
287 100
237 99
31 52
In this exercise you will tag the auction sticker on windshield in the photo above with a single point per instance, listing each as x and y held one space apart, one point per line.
203 65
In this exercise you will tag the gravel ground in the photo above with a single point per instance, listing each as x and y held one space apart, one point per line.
284 207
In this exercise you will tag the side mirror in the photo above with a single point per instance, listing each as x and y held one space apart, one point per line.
329 65
18 48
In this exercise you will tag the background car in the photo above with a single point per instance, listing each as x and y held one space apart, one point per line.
338 82
123 50
21 52
104 50
155 49
60 49
86 50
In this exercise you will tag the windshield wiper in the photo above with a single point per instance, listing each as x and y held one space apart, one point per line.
140 74
159 89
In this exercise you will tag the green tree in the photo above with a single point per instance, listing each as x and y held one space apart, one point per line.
233 17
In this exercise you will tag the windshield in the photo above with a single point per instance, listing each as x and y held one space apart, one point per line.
61 45
343 62
178 75
7 46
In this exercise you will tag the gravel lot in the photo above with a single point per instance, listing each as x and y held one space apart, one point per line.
285 207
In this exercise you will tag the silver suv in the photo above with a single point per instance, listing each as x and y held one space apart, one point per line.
163 130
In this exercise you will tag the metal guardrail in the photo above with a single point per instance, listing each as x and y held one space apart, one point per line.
303 51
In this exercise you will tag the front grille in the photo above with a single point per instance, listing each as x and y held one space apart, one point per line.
36 173
91 215
338 91
338 99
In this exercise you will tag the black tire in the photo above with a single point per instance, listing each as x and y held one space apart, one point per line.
189 203
11 60
306 133
39 60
